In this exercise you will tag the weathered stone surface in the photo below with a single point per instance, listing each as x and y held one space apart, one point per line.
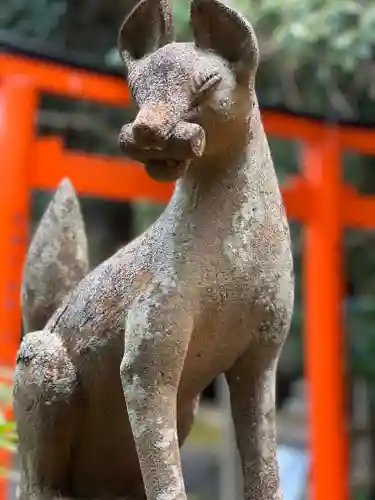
106 392
57 258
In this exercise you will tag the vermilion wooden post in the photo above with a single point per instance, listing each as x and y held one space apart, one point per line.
324 345
17 111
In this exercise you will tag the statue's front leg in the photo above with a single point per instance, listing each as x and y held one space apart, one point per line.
252 387
158 331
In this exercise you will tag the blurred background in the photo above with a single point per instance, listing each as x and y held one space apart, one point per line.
317 56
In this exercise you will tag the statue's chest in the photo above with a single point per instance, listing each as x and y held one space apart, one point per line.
246 237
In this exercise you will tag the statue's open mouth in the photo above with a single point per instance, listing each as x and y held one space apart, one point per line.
167 163
166 170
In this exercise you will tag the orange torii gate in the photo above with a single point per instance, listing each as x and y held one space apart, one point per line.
317 198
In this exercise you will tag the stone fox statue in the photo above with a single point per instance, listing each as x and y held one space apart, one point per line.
109 374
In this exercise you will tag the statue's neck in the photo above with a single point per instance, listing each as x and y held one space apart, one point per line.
242 171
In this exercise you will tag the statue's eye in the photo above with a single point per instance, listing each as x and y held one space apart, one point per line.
203 84
208 82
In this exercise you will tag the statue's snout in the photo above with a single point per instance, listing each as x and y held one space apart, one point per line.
146 140
152 126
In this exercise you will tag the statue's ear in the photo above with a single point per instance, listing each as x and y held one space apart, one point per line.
222 30
148 27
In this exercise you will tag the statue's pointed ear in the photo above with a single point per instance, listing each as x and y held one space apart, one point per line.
220 29
147 27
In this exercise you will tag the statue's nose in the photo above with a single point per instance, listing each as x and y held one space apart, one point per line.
146 135
152 126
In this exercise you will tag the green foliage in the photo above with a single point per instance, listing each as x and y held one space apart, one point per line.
322 51
8 435
37 19
338 33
